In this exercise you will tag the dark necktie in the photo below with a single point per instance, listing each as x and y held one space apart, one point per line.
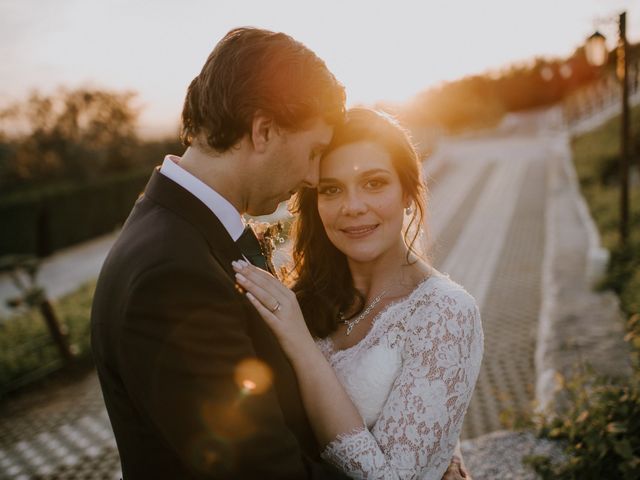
250 248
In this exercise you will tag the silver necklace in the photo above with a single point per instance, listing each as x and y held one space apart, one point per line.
352 323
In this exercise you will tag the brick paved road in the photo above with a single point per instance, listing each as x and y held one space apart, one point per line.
487 229
59 431
493 245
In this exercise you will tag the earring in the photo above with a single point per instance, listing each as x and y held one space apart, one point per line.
408 211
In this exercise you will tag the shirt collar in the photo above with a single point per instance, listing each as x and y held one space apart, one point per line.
220 206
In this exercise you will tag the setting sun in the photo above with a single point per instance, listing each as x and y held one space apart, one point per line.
381 51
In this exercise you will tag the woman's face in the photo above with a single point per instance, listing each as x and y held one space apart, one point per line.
360 201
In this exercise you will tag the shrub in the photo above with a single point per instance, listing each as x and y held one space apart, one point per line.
601 428
42 221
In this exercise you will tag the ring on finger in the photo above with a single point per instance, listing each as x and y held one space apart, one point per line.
276 308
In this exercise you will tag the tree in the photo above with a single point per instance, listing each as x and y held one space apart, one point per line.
479 101
77 134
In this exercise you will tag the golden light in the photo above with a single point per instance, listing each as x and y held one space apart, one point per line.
596 49
226 422
249 385
546 73
566 71
253 376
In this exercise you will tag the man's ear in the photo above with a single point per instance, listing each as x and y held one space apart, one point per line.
263 131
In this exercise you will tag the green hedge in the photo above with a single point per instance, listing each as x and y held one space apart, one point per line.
42 221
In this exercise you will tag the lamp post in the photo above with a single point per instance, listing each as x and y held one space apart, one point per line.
596 53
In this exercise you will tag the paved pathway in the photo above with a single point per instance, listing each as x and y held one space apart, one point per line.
60 431
64 271
487 230
488 235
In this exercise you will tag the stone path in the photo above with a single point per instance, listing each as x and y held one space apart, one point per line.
59 431
500 455
492 244
487 232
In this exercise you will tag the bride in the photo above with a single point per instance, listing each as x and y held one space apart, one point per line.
386 349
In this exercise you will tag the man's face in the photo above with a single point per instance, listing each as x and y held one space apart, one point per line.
293 162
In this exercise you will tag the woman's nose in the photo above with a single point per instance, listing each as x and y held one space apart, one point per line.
353 204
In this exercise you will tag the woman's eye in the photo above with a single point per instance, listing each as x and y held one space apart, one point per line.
375 183
328 190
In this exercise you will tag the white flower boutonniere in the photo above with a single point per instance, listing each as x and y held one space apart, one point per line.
269 236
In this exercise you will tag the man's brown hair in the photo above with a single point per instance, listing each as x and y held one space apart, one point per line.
253 70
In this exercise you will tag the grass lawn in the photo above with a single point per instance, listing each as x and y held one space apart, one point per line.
596 156
27 352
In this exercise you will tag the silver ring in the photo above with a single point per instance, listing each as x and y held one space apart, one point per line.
276 308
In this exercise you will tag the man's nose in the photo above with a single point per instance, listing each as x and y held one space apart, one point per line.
313 175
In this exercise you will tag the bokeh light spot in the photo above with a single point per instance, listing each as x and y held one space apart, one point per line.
253 376
249 385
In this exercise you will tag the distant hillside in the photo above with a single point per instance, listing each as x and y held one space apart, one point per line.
480 101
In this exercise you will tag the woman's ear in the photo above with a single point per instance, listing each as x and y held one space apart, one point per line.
407 200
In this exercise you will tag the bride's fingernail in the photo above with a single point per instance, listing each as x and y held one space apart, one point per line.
241 278
237 264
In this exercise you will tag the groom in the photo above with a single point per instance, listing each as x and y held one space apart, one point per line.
195 384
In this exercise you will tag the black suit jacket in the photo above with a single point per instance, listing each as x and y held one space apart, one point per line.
169 329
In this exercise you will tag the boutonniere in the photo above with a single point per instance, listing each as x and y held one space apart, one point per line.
269 235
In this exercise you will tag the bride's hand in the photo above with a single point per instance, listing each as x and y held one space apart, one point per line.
276 304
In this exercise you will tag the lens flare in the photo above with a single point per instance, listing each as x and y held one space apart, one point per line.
248 385
253 376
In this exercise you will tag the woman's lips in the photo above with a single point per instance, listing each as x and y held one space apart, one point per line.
359 231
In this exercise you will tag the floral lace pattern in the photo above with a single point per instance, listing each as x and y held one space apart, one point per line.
411 379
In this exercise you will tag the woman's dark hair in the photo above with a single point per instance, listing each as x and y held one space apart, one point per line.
322 279
253 70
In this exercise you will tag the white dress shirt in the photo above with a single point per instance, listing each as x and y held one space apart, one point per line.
220 206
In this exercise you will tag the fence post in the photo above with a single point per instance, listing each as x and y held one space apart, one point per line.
34 296
59 337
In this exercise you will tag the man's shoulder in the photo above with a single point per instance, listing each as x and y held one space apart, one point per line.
155 239
151 228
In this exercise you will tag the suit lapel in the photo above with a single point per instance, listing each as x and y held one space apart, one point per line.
180 201
175 198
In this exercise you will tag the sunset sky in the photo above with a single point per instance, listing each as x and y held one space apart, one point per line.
387 50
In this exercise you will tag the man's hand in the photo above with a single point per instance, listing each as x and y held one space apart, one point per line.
456 470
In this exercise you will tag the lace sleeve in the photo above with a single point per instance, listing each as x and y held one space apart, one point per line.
416 433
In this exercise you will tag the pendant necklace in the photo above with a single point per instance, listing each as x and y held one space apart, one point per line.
352 323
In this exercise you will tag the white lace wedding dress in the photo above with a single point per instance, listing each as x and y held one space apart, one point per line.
411 379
